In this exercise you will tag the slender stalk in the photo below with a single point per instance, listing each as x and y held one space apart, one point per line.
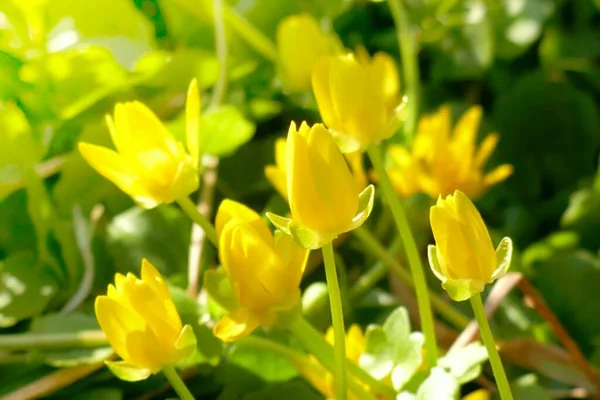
388 262
490 345
410 63
190 209
312 340
177 383
221 46
31 341
412 253
337 318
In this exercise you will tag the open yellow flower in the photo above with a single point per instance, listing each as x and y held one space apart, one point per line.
142 325
358 98
150 165
264 270
464 258
443 160
322 193
300 43
277 176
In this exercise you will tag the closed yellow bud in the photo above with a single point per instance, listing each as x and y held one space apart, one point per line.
358 98
277 176
481 394
322 194
464 258
300 43
264 270
150 165
142 325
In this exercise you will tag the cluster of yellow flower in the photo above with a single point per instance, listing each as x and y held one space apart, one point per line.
359 100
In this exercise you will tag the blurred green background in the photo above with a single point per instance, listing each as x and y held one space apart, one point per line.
532 64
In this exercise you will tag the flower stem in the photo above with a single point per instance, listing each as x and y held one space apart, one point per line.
410 64
190 209
312 340
389 263
490 345
337 317
412 253
177 383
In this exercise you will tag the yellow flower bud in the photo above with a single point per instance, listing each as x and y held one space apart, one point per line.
323 196
300 43
481 394
142 325
464 258
150 165
264 270
277 176
358 98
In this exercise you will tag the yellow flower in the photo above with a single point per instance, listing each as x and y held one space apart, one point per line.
300 43
443 160
464 258
480 394
142 325
322 379
150 165
276 173
358 98
264 270
322 193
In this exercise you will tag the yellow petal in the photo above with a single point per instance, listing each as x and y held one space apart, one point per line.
280 145
355 343
232 210
498 174
277 178
118 170
304 202
332 179
300 43
145 351
486 149
117 321
385 76
321 76
238 324
192 122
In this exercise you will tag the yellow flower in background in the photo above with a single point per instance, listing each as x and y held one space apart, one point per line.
149 164
463 257
322 379
322 194
358 98
264 270
443 159
142 325
276 173
300 43
480 394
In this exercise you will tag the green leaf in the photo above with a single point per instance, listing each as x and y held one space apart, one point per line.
25 288
267 365
439 385
114 24
218 286
294 390
224 130
100 394
127 372
465 363
527 387
393 349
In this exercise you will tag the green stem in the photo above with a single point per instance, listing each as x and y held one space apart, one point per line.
177 383
246 31
221 46
490 345
312 340
410 65
337 318
412 253
190 209
34 341
389 263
